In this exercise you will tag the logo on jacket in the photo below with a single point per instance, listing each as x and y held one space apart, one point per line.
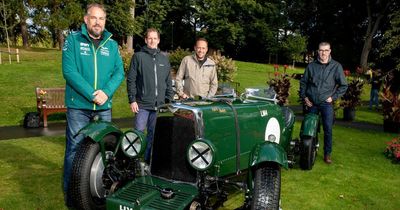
84 48
104 51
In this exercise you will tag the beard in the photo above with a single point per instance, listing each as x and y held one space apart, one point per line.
94 33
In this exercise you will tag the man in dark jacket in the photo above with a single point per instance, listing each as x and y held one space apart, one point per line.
322 83
149 85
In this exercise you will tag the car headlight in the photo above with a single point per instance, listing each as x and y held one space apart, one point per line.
132 143
200 155
273 131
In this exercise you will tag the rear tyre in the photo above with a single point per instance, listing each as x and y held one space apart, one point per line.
308 152
267 187
86 186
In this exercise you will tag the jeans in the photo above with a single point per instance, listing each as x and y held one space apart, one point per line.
326 110
76 120
146 118
374 98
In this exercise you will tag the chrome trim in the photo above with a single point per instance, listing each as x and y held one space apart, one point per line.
198 115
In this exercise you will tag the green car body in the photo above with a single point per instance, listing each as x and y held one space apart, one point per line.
198 148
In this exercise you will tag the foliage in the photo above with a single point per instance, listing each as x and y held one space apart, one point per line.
295 45
176 56
391 44
390 99
352 97
281 85
126 56
226 68
392 150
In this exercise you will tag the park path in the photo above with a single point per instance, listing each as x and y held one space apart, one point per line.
58 129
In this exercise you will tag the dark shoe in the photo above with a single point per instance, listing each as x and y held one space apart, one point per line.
327 159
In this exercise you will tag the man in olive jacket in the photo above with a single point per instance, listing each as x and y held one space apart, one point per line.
149 85
93 70
322 83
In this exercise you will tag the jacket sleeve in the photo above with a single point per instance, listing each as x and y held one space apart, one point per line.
117 76
131 79
70 71
169 94
341 83
179 77
213 83
303 83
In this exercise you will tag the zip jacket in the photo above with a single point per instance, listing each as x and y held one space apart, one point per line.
198 80
149 79
87 69
321 81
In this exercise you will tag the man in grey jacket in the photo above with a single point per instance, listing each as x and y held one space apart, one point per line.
322 83
197 74
149 85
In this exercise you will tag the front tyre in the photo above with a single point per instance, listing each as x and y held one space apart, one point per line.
86 186
308 152
267 187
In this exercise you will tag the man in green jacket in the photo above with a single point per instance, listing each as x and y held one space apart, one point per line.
322 83
93 70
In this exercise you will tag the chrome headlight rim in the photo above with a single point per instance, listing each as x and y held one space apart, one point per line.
132 143
201 154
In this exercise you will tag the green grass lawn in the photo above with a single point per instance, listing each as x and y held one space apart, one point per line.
360 177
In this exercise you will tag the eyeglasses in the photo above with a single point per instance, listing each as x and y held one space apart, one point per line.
326 50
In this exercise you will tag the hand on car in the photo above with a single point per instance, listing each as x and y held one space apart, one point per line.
184 96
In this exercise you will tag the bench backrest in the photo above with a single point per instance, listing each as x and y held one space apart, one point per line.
50 98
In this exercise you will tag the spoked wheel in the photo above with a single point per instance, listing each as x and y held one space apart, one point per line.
87 188
267 187
308 152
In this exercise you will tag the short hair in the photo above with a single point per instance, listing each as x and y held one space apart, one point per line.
100 6
324 44
149 30
201 39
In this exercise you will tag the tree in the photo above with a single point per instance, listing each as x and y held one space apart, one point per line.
391 46
376 12
5 10
295 45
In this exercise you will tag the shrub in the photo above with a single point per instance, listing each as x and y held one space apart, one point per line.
392 151
390 98
176 56
226 67
352 97
281 85
126 56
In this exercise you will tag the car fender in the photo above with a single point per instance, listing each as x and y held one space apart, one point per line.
269 152
309 126
96 131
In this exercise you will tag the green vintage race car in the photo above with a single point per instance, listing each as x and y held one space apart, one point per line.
199 149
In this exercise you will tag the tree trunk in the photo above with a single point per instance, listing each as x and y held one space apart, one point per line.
60 39
24 33
371 30
129 38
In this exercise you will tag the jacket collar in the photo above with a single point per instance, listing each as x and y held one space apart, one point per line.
150 51
195 58
106 35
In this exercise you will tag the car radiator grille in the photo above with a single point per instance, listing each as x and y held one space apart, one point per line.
171 139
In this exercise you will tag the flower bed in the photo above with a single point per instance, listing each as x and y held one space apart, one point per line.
392 151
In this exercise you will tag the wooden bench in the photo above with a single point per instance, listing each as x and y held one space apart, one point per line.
50 100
